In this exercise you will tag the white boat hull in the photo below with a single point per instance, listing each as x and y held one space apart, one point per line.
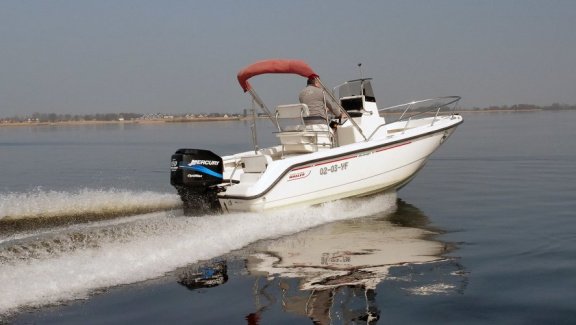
354 170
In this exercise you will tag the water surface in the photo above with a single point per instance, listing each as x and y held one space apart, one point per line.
484 234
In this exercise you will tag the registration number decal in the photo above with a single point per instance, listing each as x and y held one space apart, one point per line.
333 168
337 165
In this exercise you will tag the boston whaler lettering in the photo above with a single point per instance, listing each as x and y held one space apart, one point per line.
363 153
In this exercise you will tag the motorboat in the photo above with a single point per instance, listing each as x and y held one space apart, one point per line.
368 150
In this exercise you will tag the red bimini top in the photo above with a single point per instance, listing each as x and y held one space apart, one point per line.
274 66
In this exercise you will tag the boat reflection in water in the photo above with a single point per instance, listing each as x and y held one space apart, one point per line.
330 273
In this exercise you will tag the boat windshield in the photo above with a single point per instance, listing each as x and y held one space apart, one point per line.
356 88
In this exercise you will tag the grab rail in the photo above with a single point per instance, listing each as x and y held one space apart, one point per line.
417 108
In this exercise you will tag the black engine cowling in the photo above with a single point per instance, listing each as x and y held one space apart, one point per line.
195 173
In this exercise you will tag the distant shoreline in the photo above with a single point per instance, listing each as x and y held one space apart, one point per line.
211 119
131 122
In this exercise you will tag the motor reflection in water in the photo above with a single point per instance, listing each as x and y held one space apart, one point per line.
204 275
330 273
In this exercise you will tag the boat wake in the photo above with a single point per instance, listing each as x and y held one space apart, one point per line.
48 267
41 209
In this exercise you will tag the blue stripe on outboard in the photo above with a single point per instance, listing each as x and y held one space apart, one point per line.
202 169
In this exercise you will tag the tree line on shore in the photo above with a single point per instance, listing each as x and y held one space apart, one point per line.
527 107
53 117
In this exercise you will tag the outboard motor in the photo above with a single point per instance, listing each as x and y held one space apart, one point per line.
195 173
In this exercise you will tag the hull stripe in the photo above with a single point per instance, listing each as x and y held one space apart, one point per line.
346 156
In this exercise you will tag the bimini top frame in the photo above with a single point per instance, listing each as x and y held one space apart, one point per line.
297 67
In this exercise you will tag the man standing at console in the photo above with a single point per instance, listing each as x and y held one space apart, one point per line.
318 103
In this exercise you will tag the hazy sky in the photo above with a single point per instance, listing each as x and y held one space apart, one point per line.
88 56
